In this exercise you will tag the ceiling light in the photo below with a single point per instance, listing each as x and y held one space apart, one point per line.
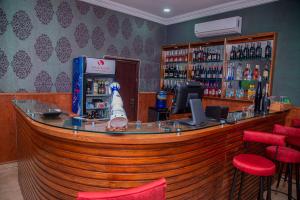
167 10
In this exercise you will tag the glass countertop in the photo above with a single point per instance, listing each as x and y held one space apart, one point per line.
35 110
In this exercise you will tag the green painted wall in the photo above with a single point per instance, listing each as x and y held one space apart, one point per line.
282 17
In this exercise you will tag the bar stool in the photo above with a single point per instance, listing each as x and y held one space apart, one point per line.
152 191
290 157
287 131
255 164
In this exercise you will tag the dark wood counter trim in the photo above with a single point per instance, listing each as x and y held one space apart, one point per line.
55 163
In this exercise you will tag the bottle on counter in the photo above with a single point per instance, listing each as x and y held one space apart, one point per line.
265 102
258 97
266 73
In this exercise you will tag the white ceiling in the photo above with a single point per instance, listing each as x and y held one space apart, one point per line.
178 7
181 10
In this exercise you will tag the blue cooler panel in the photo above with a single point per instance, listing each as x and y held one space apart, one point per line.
77 86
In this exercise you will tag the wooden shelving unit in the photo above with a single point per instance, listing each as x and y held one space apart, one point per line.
223 48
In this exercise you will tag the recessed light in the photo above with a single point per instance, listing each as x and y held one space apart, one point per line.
167 10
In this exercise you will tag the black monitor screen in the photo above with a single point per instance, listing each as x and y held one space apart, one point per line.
183 93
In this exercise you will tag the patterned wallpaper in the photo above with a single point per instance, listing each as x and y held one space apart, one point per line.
39 39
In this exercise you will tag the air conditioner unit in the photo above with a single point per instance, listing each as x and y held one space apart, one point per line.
226 26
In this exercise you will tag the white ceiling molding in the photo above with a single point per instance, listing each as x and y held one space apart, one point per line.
127 10
221 8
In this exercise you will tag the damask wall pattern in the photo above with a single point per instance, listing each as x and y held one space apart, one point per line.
39 39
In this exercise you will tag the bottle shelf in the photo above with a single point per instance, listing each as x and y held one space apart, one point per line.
213 57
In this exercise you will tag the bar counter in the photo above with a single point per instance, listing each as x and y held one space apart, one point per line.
59 157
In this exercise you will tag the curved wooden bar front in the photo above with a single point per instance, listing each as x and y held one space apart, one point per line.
56 163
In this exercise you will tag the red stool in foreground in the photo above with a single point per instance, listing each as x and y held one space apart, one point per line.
255 164
151 191
290 157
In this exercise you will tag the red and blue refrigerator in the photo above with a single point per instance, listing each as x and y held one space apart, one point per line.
91 87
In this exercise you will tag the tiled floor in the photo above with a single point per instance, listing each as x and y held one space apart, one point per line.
9 186
10 190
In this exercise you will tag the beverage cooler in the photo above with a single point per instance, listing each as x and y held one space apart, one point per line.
91 87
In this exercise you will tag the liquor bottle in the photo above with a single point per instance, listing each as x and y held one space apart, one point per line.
252 51
258 50
238 52
239 72
205 57
258 97
246 51
171 71
194 55
241 53
221 72
103 88
249 74
206 88
220 89
229 72
200 55
166 72
265 102
246 72
209 55
186 55
218 55
232 53
268 50
256 72
266 73
213 89
209 72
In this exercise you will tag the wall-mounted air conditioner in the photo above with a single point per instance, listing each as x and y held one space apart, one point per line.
226 26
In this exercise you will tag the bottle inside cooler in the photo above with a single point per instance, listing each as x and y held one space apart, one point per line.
98 98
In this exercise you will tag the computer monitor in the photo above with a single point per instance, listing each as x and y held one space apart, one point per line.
183 93
188 99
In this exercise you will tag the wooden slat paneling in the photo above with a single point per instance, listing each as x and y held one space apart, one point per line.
7 118
56 163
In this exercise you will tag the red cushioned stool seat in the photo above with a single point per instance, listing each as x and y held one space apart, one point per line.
254 164
287 131
284 154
